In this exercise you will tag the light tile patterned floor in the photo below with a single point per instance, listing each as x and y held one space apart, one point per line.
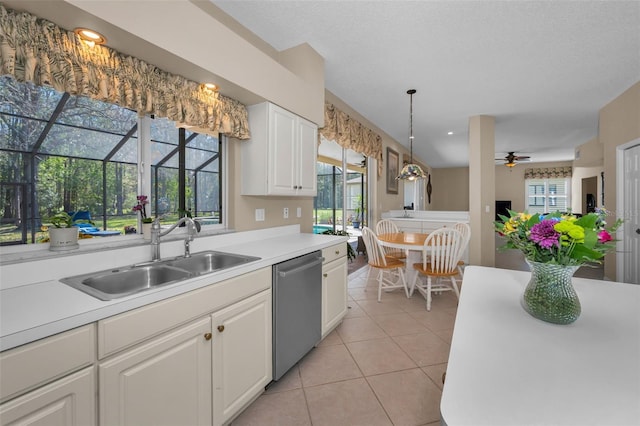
382 366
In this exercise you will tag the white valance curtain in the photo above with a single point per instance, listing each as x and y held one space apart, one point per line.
38 51
548 173
351 134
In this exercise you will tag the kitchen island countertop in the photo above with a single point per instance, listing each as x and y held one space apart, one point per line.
508 368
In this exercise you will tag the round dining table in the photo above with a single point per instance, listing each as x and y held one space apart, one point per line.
412 243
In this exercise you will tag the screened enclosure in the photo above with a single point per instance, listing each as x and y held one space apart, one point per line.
60 152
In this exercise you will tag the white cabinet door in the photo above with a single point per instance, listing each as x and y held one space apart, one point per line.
307 158
283 148
165 381
69 401
334 294
241 355
282 151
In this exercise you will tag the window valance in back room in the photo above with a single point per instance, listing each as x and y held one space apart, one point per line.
548 173
351 134
38 51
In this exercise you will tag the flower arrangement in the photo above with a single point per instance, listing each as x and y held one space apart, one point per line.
561 239
141 202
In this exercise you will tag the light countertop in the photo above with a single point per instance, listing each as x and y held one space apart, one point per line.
32 311
508 368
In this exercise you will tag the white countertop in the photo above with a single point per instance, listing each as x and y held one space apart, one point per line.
33 311
509 368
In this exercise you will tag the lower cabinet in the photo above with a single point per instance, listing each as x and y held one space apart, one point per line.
202 373
334 287
241 355
165 381
67 401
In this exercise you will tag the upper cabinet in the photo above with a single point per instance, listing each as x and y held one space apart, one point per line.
280 158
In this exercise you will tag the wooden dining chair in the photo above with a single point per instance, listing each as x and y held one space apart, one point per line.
440 255
465 230
390 270
387 226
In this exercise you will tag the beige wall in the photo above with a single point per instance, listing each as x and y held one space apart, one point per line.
619 124
450 189
589 154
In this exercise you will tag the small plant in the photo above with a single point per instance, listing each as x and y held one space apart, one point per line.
351 254
61 220
141 202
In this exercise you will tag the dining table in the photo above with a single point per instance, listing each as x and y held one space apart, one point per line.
410 242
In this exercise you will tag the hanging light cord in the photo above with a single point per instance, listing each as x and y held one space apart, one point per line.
410 92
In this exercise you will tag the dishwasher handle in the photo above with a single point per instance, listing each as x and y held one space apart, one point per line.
318 260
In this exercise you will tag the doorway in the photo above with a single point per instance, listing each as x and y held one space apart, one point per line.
628 200
589 194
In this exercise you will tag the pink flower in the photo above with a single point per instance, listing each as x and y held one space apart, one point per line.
604 236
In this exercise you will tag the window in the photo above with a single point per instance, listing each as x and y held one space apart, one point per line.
60 152
548 195
339 194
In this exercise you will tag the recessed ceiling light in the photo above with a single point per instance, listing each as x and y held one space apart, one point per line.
449 133
210 86
91 37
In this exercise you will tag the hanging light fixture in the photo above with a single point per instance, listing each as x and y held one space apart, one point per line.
411 171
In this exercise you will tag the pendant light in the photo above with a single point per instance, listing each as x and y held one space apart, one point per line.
411 171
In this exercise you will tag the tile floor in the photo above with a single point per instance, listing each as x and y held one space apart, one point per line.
382 366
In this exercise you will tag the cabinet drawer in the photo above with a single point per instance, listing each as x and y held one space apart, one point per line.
37 363
334 252
129 328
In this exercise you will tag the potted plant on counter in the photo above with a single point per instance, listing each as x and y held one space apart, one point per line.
141 203
62 235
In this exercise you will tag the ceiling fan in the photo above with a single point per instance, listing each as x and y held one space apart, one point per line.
512 159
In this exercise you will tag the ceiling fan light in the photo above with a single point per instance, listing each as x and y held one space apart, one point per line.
510 164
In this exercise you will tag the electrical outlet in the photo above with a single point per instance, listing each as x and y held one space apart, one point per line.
259 215
299 212
285 213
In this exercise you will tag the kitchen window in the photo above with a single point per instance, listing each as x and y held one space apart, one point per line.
548 195
64 152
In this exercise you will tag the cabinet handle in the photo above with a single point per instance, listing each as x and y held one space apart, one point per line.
337 251
207 336
221 328
325 275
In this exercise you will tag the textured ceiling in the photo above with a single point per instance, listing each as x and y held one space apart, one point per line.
543 69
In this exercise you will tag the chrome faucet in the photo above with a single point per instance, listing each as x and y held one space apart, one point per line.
192 227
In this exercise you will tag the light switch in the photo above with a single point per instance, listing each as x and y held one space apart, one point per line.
259 215
299 212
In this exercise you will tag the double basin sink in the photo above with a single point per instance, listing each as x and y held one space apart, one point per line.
120 282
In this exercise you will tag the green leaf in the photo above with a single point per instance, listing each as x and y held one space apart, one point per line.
581 252
587 221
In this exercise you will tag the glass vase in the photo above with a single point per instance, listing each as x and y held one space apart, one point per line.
550 296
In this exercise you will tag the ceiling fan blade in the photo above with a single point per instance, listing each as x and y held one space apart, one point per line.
521 157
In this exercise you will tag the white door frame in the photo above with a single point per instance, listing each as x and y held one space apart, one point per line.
620 149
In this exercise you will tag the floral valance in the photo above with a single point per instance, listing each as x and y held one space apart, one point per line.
351 134
548 172
38 51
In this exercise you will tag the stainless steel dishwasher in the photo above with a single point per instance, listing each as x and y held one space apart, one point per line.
297 305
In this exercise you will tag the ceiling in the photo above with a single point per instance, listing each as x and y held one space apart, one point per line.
543 69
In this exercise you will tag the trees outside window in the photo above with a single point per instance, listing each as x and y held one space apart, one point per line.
60 152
